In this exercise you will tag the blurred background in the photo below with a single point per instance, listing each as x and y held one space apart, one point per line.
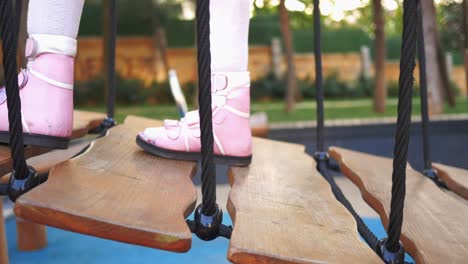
360 39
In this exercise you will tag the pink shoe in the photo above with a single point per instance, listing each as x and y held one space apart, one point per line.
180 140
46 91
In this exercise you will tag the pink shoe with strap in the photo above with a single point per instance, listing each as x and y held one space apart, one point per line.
46 91
180 140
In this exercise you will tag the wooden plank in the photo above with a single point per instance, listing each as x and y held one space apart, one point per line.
3 241
455 178
84 121
32 236
116 191
435 226
285 212
5 158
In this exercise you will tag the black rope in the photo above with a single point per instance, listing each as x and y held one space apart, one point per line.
110 37
204 100
423 92
428 170
18 6
321 156
407 64
362 228
110 56
9 32
318 78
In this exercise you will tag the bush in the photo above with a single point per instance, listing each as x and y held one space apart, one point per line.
129 91
132 91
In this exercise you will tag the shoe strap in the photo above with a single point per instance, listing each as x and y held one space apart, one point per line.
224 88
229 80
43 43
42 77
22 81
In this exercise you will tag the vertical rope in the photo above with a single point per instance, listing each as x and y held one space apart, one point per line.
318 78
322 160
111 44
423 92
204 100
9 28
407 64
363 229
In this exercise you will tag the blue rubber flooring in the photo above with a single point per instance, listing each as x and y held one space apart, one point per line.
72 248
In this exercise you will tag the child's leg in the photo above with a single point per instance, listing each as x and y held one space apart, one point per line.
55 17
230 95
46 87
229 35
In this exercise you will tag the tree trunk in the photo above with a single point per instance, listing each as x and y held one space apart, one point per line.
465 44
159 36
292 91
434 77
162 46
444 73
380 93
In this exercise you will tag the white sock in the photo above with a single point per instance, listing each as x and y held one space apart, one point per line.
229 34
55 17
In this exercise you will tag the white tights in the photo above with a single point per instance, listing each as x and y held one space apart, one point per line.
229 27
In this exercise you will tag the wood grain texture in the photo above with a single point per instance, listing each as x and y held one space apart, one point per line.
455 178
284 212
116 191
435 228
84 121
31 236
5 158
260 131
3 241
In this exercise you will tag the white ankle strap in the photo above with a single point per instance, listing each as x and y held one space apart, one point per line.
43 43
50 81
222 80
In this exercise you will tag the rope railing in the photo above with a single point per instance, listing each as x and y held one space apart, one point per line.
208 215
110 58
319 78
321 156
23 178
110 39
392 245
204 100
426 146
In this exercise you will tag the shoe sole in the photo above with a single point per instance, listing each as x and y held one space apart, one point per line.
191 156
38 140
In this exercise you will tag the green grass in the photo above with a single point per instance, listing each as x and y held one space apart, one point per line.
305 111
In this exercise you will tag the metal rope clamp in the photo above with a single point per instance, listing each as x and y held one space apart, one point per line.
391 257
18 187
209 227
105 125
